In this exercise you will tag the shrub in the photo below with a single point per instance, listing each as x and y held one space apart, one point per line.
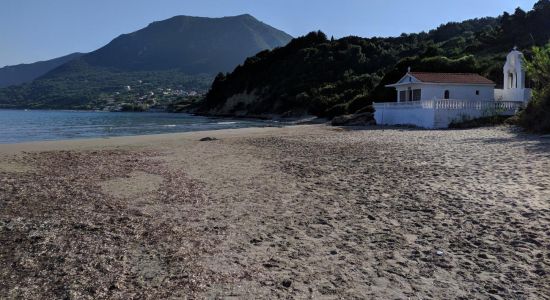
358 103
336 110
536 117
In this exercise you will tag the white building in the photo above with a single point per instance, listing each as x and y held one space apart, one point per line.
434 100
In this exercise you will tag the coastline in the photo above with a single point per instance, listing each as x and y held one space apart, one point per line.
134 140
297 211
40 125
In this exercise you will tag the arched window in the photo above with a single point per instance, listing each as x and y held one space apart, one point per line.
447 94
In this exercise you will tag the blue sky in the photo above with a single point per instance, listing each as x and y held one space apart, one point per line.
32 30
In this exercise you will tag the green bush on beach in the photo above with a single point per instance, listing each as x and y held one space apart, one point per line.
536 116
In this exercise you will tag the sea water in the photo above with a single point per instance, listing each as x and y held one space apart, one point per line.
41 125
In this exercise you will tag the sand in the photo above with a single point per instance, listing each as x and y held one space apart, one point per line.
298 212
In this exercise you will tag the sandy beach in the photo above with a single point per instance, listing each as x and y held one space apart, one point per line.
305 211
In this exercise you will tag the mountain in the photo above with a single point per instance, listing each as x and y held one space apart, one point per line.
327 77
192 44
181 53
23 73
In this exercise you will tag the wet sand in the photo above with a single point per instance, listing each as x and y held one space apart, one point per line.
296 212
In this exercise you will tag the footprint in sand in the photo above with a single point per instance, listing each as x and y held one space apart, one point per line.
14 167
137 184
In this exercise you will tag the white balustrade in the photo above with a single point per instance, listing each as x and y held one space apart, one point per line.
453 104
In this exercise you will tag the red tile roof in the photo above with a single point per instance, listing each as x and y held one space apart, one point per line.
467 78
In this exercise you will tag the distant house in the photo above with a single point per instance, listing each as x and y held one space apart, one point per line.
434 100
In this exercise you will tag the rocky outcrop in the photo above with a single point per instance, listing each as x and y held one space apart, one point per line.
363 119
235 106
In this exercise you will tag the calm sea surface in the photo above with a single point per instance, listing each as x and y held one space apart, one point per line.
41 125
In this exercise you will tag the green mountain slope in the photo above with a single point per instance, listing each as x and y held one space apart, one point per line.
23 73
181 53
315 75
193 45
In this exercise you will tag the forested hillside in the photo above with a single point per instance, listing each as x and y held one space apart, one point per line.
326 77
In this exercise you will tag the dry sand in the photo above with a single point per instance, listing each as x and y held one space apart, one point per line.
296 212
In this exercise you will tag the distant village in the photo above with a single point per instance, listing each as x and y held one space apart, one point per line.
143 97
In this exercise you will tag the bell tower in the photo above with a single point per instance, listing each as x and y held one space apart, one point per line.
514 75
514 78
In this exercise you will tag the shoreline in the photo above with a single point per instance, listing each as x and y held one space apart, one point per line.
61 125
227 132
52 145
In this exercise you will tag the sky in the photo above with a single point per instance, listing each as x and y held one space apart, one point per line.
34 30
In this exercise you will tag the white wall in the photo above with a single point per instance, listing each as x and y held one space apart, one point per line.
439 113
460 92
444 117
398 116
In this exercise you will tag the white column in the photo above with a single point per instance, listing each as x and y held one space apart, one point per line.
506 80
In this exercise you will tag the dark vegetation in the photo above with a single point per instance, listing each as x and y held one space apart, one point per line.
327 77
181 53
95 88
536 117
184 104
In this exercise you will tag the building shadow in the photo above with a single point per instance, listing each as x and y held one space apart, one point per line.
532 142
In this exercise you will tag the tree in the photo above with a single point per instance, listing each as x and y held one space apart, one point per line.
541 5
536 117
519 14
